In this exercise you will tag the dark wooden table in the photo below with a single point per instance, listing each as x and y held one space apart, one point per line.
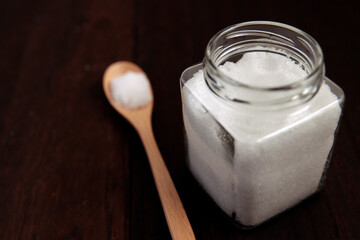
72 168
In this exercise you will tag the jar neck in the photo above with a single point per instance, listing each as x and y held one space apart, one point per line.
233 42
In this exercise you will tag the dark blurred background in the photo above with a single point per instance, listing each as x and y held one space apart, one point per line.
71 168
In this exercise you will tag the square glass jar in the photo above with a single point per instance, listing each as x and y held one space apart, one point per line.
259 150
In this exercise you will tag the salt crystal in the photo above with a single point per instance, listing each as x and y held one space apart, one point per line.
131 90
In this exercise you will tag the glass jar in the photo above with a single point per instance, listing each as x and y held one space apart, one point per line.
259 149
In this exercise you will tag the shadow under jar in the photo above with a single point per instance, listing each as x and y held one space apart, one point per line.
259 148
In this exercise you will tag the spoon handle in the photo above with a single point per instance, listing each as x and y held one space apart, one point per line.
175 214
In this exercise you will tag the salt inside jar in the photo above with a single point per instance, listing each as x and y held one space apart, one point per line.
260 119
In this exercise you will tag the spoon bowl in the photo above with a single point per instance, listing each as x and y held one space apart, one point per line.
134 116
140 118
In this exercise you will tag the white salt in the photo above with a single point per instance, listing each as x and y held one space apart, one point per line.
255 165
264 69
131 90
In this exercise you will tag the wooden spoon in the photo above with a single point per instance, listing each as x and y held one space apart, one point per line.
140 118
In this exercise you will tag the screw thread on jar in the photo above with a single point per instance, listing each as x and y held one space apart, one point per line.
233 42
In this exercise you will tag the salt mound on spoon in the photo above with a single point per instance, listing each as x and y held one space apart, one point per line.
131 90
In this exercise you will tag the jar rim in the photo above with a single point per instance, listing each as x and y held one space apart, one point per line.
310 41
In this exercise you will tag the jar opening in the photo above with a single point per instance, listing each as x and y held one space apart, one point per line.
232 43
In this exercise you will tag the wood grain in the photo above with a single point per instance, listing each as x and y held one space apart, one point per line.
71 168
